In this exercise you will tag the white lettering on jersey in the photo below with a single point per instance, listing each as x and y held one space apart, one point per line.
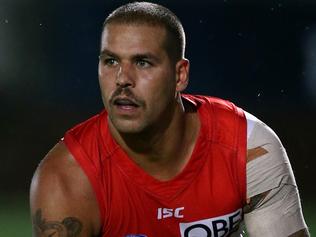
169 212
220 226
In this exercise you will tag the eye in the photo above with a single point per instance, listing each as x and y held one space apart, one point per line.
141 63
110 62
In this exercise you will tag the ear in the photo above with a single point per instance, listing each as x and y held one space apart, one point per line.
99 68
182 74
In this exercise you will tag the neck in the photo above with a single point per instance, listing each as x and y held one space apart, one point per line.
163 150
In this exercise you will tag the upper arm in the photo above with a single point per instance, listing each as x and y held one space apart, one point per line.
61 198
274 207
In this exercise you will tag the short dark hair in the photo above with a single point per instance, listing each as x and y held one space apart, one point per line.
154 15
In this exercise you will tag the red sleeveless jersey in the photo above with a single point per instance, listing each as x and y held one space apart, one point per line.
205 199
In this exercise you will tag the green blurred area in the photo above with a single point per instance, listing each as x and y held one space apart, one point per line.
309 209
15 217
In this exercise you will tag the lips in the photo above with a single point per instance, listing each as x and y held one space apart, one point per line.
125 102
125 105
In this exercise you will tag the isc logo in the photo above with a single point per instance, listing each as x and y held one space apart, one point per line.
169 212
214 227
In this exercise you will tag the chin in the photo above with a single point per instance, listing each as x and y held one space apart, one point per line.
127 127
128 130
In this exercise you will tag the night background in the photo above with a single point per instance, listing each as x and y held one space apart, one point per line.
261 55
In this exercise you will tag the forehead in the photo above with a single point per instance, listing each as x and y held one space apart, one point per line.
120 37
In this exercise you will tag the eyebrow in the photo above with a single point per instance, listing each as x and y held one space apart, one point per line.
106 52
146 56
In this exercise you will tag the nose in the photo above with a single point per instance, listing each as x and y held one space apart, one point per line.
125 77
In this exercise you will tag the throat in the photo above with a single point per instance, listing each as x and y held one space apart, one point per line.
168 156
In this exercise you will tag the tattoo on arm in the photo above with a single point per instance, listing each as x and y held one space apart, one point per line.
68 227
254 201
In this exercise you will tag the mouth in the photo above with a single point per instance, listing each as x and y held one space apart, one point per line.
125 104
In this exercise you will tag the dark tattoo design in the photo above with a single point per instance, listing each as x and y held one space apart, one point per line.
69 227
254 201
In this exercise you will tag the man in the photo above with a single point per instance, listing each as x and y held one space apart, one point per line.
159 163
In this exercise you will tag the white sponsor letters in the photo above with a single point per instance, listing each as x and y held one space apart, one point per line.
220 226
163 213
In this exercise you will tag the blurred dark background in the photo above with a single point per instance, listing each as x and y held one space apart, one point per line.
259 54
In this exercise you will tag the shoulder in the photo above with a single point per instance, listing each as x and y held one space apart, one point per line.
267 162
60 189
258 133
222 112
87 128
215 102
265 151
83 140
58 168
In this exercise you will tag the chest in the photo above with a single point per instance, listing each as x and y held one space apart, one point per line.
201 202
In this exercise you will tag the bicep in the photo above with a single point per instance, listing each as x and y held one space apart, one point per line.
68 226
60 200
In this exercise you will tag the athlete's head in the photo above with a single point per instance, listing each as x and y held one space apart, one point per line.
142 68
145 13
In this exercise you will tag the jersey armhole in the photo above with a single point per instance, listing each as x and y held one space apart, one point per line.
241 146
89 169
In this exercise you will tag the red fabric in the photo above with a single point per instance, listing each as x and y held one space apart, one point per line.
132 202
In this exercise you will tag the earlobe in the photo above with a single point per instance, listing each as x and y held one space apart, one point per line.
182 71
